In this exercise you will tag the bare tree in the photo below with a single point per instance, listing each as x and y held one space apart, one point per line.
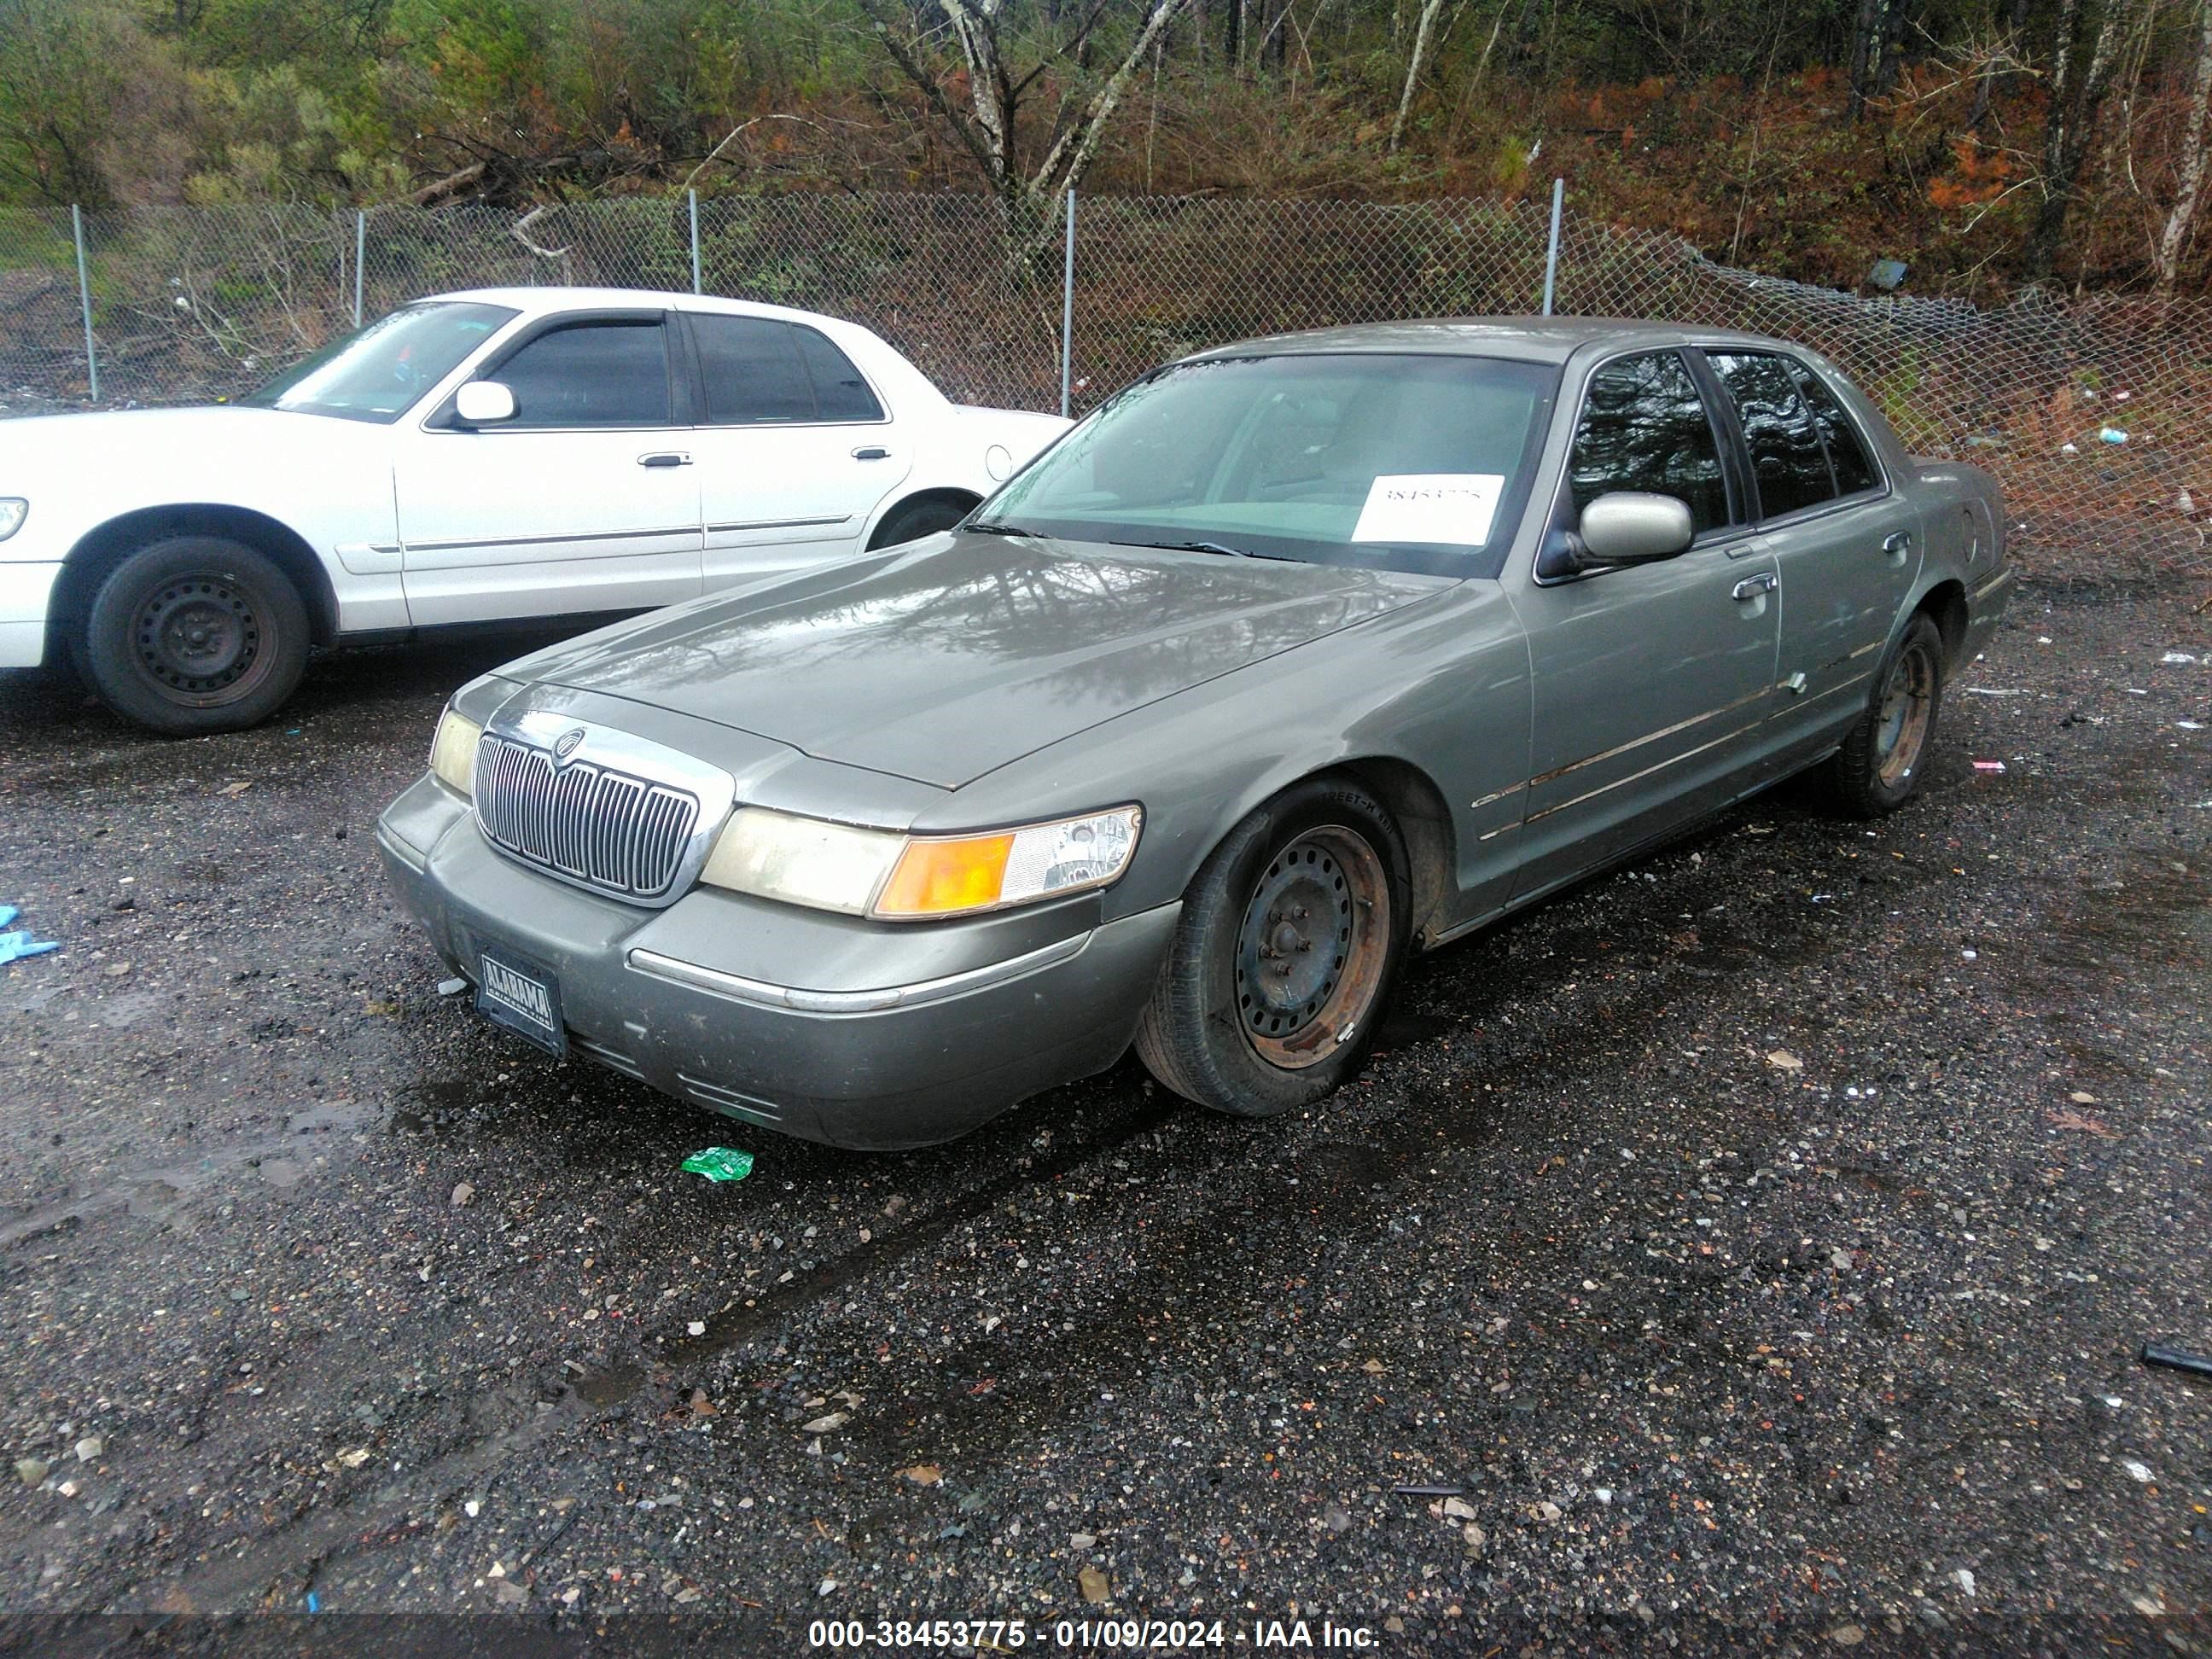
1423 32
2085 50
2183 217
988 127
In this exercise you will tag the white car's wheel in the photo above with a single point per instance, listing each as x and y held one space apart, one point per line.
195 633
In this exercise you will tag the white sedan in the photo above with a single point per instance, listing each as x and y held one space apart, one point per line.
474 457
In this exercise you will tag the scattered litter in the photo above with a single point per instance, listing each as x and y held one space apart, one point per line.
2082 1097
696 1327
1992 691
1888 275
2122 396
238 789
1969 956
829 1425
2177 656
2137 1471
1782 1061
2188 726
1082 1540
461 1194
2070 449
1989 766
1458 1509
1095 1587
2174 1359
1428 1491
2087 1126
2111 435
89 1448
14 946
927 1475
1965 1578
448 988
720 1164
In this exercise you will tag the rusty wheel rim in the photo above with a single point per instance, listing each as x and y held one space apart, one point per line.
1908 703
1310 952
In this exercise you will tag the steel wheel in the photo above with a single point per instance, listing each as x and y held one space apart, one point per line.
196 634
1310 951
1905 712
199 634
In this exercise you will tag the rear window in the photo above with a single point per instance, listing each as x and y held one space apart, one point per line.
764 372
1787 457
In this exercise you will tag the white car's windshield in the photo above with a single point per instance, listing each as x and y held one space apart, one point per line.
1401 461
378 373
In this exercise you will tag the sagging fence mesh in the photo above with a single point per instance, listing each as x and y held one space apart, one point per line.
2096 412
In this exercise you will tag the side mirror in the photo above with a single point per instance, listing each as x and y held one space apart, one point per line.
1629 527
487 403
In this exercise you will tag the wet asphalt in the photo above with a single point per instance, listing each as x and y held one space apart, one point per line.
1757 1243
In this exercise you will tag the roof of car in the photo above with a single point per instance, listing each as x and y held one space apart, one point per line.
538 301
1527 339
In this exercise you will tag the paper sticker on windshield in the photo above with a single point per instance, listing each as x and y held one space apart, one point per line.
1453 507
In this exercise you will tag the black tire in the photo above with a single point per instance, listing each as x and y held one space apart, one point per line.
909 521
1883 760
1327 853
195 633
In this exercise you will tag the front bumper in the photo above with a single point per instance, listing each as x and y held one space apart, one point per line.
25 588
824 1027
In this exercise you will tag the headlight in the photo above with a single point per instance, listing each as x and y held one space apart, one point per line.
13 509
453 752
896 878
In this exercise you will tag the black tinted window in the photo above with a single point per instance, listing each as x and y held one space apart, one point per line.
843 394
1786 457
1645 427
1847 451
590 374
754 374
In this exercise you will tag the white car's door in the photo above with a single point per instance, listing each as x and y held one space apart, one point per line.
796 449
587 500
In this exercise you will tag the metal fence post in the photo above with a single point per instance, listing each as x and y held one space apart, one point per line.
359 259
1552 254
84 301
694 195
1067 310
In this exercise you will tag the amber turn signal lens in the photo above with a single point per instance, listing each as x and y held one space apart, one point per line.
942 877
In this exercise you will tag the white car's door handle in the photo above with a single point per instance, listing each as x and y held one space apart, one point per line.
872 453
1899 545
1752 586
665 458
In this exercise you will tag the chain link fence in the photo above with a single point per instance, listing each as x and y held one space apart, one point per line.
2097 413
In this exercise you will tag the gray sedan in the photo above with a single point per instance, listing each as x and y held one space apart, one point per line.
1295 657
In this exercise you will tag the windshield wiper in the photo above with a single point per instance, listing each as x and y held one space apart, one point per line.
993 527
1210 547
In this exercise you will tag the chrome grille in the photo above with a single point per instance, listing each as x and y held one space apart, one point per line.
622 834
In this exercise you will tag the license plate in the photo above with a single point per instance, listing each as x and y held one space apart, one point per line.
515 992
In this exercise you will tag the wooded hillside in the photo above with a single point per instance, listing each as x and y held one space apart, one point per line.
1984 142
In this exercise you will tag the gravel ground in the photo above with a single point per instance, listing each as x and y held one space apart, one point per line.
1759 1240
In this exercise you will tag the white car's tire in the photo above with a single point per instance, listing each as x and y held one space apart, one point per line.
195 633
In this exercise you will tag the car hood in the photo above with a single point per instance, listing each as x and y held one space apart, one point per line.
947 659
213 434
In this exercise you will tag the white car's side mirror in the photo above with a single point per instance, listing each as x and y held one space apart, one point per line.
483 403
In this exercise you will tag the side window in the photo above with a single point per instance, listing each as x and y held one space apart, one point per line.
754 374
1847 451
1644 426
590 374
1786 457
842 390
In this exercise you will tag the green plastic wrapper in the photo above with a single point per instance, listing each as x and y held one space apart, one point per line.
720 1164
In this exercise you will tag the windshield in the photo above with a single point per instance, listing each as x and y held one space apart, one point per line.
378 373
1402 462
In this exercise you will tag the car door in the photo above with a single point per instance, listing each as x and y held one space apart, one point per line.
587 500
1845 544
1649 680
796 449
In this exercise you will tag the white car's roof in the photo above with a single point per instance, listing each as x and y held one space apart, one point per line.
542 301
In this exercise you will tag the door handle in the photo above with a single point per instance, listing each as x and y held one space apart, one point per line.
1752 586
872 453
1899 545
665 458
